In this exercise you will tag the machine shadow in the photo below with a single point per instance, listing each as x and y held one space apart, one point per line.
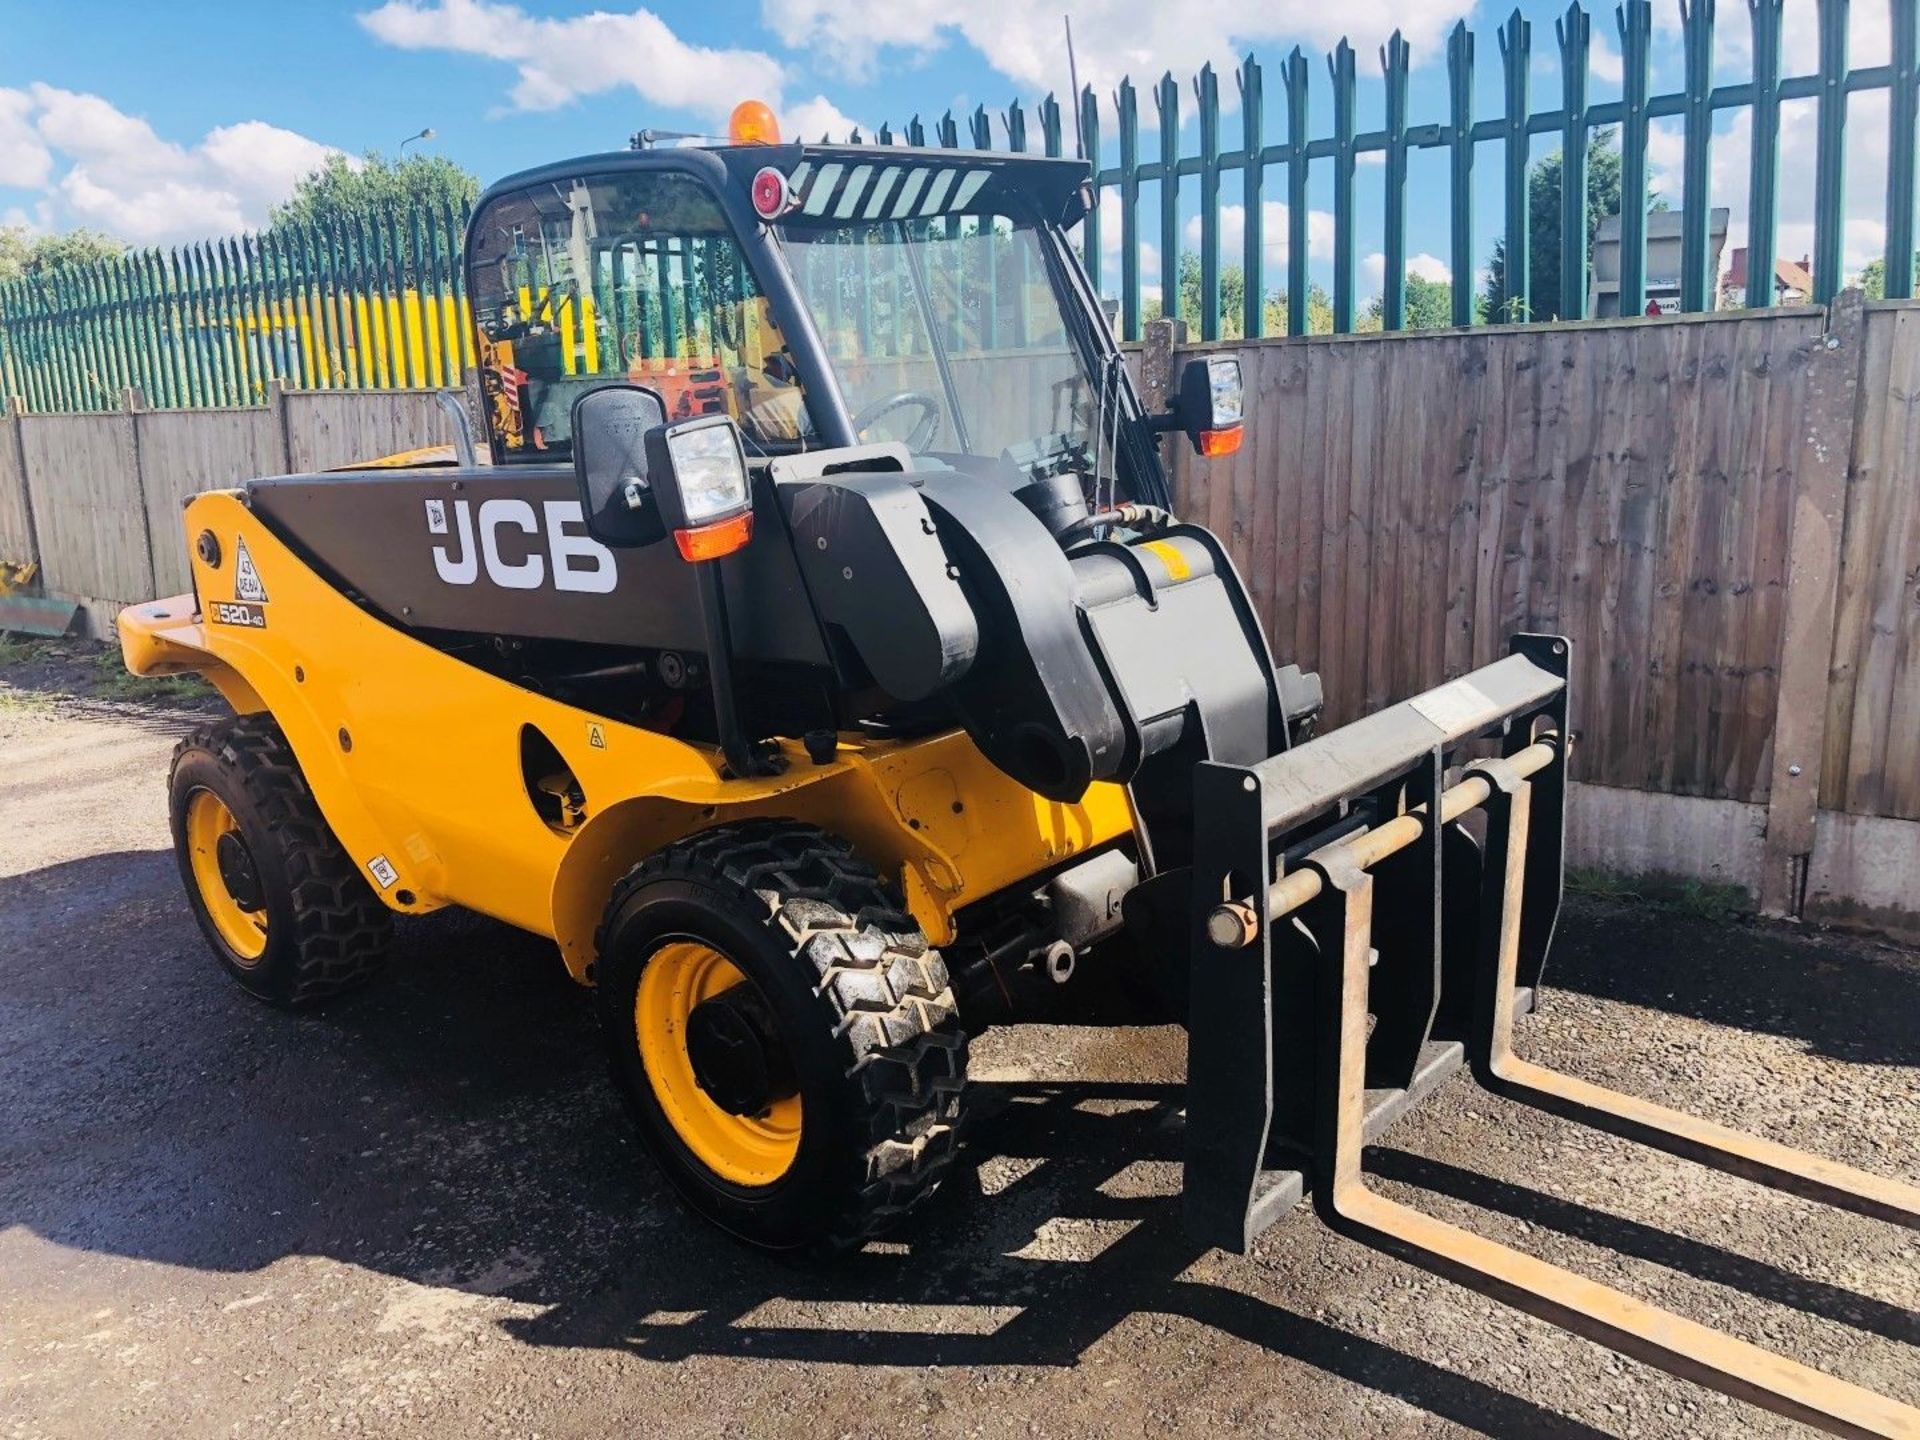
1841 996
1677 1252
451 1125
976 1265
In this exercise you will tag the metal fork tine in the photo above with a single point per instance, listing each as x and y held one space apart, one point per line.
1683 1347
1504 1073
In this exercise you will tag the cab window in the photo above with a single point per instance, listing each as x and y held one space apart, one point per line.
583 282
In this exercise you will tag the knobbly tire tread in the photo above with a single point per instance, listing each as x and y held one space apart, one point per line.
341 930
884 991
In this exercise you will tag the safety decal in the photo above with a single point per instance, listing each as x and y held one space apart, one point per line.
246 579
238 612
382 870
596 737
436 517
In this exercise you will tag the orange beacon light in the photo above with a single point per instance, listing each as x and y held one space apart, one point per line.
752 123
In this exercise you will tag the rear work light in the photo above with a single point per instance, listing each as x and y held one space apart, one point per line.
772 196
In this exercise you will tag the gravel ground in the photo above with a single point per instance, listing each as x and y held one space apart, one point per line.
418 1210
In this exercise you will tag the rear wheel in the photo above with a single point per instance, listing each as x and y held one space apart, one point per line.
280 903
783 1035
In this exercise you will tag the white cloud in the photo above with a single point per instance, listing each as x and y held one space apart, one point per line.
1864 231
561 60
1373 270
25 160
810 119
1273 235
96 165
1604 62
1869 37
1112 38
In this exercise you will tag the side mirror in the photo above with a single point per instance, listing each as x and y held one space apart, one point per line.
610 464
1212 404
700 481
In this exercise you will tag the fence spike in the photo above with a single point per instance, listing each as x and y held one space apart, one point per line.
1635 20
1253 176
1127 104
1905 98
1460 169
1516 44
1206 89
1763 204
1394 63
1830 154
1088 119
1574 32
1294 76
1696 197
1166 99
1051 126
1341 65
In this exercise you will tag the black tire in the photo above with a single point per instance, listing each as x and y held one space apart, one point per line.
860 1001
326 931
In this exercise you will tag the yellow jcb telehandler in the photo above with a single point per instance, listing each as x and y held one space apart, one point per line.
810 648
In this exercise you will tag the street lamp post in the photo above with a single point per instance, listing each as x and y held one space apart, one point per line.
426 134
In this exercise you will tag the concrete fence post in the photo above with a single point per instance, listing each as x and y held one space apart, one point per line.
278 407
1824 458
133 405
16 442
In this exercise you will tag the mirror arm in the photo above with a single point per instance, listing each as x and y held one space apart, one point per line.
742 758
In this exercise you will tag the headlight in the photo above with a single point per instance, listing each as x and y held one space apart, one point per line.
710 471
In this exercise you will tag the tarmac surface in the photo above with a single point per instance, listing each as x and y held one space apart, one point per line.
418 1210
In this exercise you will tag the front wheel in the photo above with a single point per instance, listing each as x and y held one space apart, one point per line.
783 1035
282 906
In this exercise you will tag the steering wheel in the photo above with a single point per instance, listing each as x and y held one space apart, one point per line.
925 430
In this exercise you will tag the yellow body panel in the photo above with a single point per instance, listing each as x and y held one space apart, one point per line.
415 759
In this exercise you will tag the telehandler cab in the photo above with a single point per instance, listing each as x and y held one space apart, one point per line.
815 655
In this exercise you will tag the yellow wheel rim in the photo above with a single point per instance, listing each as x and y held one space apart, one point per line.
748 1150
245 931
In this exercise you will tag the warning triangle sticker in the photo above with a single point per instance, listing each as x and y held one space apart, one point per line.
246 579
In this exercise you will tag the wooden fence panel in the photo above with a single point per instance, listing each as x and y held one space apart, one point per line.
84 480
1872 759
183 452
1627 484
334 428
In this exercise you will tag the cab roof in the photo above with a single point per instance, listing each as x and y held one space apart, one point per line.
833 184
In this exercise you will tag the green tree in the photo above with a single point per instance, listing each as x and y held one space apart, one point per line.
24 253
1544 184
374 187
1233 303
1872 281
1429 305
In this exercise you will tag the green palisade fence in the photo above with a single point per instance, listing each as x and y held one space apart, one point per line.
383 304
1201 152
378 305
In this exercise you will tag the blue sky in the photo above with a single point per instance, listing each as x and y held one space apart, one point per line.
166 123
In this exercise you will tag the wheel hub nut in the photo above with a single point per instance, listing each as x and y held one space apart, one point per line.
735 1051
237 871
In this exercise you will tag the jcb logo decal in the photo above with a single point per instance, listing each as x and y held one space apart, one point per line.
503 536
